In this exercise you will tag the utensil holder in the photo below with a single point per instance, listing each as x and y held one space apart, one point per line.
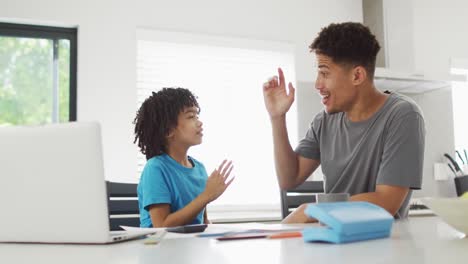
461 184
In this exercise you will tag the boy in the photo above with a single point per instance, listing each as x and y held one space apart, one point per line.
174 188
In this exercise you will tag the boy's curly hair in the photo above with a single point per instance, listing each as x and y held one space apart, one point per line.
348 43
157 116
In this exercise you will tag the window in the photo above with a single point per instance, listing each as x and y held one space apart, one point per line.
37 74
227 76
459 95
459 67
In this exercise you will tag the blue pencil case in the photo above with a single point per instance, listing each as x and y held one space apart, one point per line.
347 222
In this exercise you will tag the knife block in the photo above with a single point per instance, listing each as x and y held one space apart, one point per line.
461 184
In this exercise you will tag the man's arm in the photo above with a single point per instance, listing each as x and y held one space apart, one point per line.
386 196
401 162
291 168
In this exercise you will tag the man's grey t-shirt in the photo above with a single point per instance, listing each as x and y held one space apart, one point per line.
387 149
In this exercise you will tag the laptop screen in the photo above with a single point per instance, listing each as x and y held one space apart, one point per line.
53 186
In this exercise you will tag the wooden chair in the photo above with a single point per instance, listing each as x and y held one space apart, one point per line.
304 193
123 205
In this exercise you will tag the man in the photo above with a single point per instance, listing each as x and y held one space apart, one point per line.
370 144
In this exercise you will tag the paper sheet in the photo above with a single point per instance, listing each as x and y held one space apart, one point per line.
224 228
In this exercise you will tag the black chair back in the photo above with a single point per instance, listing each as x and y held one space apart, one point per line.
123 205
304 193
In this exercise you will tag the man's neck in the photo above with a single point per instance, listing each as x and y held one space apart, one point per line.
369 101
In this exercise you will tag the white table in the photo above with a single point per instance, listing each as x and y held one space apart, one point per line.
416 240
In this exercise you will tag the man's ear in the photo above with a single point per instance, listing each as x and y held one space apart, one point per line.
359 75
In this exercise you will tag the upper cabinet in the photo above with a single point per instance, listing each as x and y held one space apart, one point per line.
393 24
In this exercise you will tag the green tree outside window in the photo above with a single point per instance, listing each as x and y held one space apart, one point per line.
27 80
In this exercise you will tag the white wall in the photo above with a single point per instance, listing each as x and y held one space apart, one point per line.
107 47
437 109
439 35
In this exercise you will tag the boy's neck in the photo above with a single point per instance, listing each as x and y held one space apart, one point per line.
179 154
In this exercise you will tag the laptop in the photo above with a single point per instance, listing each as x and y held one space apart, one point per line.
454 211
53 187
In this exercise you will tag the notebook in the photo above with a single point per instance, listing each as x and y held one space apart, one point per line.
347 222
53 186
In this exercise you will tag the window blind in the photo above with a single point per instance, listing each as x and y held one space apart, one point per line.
226 74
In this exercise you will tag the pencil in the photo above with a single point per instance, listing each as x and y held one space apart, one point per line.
285 235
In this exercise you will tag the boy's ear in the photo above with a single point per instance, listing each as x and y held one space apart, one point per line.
170 134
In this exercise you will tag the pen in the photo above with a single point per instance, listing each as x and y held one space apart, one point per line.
285 235
244 236
230 233
213 234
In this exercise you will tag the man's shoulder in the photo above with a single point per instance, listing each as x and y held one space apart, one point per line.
402 105
324 119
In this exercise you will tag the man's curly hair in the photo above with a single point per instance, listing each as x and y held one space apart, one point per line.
157 116
348 43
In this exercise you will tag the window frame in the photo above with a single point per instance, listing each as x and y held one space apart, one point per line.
54 33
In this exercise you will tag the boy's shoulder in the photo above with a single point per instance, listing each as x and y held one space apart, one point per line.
163 161
193 159
196 162
156 160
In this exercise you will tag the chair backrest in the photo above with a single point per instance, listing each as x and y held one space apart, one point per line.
304 193
123 205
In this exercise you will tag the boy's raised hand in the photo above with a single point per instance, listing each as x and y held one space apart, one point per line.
218 181
277 101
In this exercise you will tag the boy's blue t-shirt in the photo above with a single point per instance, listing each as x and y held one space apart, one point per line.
165 181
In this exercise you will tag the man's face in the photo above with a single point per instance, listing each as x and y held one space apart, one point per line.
334 84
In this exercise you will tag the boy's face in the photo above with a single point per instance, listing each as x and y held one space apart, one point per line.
189 131
334 84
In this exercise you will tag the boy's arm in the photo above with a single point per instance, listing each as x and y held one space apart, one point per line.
215 186
205 218
161 215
